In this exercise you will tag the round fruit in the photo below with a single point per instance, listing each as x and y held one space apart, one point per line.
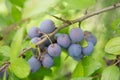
64 40
47 26
54 50
34 32
75 51
35 40
47 61
34 64
78 58
76 35
90 37
57 35
89 49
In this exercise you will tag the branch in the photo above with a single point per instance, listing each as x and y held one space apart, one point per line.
4 66
72 22
75 21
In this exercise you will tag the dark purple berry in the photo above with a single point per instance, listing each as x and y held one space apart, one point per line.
34 32
76 35
47 26
75 51
54 50
47 61
89 49
90 37
64 40
34 64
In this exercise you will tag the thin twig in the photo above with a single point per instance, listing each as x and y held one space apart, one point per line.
59 18
4 66
118 61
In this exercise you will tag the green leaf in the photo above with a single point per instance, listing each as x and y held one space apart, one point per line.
80 4
19 3
5 50
110 56
40 6
17 43
82 78
16 13
113 46
111 73
86 67
41 73
90 65
79 70
32 45
20 67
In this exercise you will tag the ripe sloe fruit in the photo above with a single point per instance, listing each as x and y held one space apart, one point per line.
34 32
34 64
64 40
47 61
47 26
76 35
90 37
78 58
35 40
54 50
89 49
57 35
75 51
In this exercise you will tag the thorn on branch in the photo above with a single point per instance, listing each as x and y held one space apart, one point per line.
58 18
86 12
114 5
63 20
79 24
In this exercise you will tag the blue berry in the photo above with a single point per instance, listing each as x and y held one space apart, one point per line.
47 26
34 32
57 35
90 37
34 64
47 61
75 51
89 49
76 35
35 40
78 58
54 50
64 40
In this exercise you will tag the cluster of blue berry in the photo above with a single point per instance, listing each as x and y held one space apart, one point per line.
44 53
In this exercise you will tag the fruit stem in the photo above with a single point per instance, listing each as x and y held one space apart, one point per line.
47 37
